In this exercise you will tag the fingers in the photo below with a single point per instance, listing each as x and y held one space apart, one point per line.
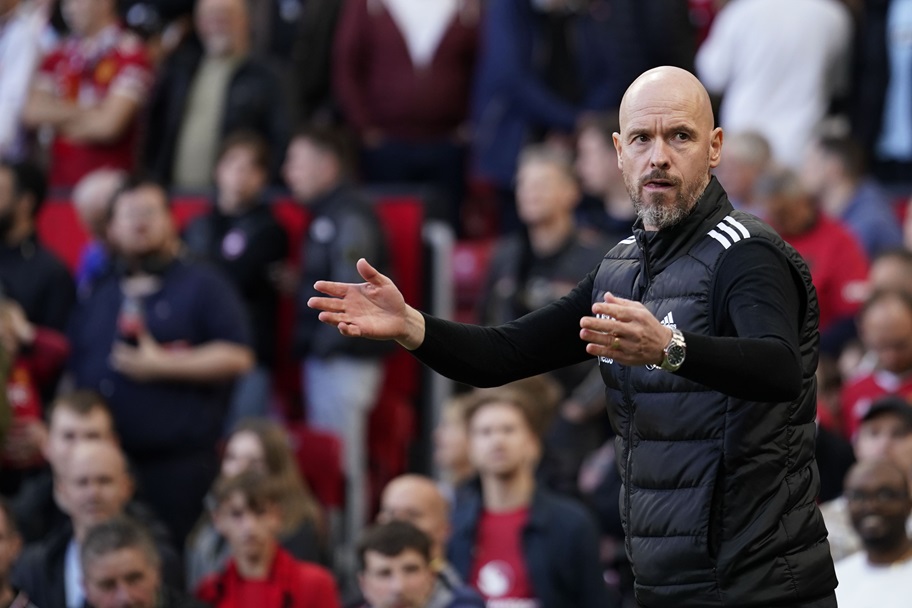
371 274
326 304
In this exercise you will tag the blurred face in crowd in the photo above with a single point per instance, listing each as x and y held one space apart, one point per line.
451 445
239 179
886 331
250 530
879 436
501 444
10 547
878 498
69 428
417 500
123 578
87 17
8 201
243 452
309 170
92 196
403 581
818 169
95 485
141 222
596 162
222 26
544 192
667 145
889 273
789 215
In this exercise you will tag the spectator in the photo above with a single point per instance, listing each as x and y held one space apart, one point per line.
598 172
521 95
885 325
72 418
881 431
838 264
891 271
881 91
30 273
90 91
777 76
403 71
121 568
341 378
23 23
241 236
834 172
36 355
259 572
747 157
204 94
512 539
10 548
92 487
416 500
261 445
312 62
92 200
167 365
451 448
395 568
879 502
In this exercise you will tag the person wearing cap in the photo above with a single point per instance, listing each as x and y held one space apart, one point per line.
883 433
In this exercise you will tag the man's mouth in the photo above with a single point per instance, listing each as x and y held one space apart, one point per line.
658 184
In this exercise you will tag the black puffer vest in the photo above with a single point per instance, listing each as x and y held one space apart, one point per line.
718 503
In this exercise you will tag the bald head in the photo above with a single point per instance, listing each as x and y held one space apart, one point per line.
416 499
92 198
667 86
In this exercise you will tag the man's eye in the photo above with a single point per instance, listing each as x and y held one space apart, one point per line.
682 136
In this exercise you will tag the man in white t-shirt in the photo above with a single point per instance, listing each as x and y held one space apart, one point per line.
879 504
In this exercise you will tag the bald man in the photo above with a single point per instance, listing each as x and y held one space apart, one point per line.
704 326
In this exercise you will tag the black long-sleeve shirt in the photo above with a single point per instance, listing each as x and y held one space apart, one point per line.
754 353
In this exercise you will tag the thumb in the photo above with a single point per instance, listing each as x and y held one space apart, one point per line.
144 338
371 274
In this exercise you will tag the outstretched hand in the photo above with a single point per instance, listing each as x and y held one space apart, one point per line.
624 330
374 309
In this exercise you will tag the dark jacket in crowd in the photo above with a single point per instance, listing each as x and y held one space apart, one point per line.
560 548
254 103
245 247
871 73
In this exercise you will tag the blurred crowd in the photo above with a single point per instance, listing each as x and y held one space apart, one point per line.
149 454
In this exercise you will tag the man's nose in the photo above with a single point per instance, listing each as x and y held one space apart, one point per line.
659 157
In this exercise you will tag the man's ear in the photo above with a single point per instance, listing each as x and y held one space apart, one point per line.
715 147
618 147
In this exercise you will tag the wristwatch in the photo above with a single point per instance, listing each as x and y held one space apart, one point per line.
674 352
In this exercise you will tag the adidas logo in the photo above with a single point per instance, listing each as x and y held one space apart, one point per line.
729 231
669 321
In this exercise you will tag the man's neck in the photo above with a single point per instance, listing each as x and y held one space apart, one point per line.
502 494
256 567
97 28
6 593
836 197
547 238
885 557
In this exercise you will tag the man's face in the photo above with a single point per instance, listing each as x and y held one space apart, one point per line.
878 436
403 581
543 192
84 17
451 444
95 485
238 179
420 504
10 547
141 223
596 163
221 25
243 452
500 441
878 505
666 149
251 532
886 330
68 428
889 273
124 578
304 165
816 170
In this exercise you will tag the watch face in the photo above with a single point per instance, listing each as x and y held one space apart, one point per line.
676 355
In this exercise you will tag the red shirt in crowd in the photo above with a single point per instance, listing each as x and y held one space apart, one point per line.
291 584
858 395
86 71
839 268
499 568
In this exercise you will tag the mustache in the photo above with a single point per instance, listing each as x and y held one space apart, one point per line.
658 174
